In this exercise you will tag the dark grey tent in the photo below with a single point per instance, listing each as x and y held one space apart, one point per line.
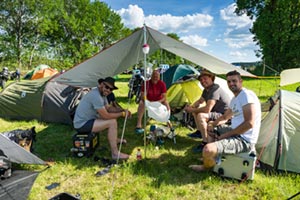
39 99
19 184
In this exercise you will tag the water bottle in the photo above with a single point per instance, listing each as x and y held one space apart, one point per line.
139 154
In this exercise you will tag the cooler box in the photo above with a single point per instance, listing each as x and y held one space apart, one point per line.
84 144
239 166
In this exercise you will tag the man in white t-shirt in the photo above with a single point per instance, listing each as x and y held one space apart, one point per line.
245 114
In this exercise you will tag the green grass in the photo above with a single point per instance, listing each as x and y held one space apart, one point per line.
162 174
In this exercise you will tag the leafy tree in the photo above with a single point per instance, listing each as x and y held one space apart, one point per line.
56 31
19 28
81 28
276 29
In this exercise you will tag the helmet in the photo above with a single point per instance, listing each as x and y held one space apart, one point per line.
5 68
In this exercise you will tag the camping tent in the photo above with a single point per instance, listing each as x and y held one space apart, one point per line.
289 76
51 100
183 86
128 52
19 184
39 99
29 74
279 138
42 73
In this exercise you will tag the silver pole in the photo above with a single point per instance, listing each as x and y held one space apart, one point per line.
145 92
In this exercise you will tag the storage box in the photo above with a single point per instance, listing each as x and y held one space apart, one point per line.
238 166
84 144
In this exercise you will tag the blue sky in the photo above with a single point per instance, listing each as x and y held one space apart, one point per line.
208 25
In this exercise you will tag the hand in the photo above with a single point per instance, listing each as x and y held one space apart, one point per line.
188 108
127 113
210 127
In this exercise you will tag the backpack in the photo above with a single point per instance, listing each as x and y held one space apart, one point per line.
24 138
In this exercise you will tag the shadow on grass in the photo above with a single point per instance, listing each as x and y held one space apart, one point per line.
169 169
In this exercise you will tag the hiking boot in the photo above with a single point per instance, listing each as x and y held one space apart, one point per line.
196 134
198 148
139 130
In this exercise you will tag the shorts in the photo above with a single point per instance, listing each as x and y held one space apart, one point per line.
232 145
87 127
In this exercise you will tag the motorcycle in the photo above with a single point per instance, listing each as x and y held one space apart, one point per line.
4 76
134 85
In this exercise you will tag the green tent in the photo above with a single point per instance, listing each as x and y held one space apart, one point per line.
278 143
39 99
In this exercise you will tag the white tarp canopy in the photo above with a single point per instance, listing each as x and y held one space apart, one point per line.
289 76
128 52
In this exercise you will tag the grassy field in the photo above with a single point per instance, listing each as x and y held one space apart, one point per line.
163 172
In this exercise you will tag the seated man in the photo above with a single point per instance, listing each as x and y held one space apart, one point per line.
92 114
156 91
216 101
245 115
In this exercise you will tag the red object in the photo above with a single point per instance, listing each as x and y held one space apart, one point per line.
139 155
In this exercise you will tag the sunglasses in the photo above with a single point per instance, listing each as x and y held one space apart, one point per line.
107 87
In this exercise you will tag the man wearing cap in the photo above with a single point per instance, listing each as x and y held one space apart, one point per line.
92 115
214 102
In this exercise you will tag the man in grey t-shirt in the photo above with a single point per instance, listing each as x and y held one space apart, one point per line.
216 102
92 115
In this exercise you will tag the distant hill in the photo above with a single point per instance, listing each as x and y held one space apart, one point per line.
246 64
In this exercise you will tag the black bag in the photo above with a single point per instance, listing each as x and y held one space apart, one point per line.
24 138
5 166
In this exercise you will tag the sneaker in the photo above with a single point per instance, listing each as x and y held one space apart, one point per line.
139 130
196 134
198 148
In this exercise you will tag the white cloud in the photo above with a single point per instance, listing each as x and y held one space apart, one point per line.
239 41
179 24
133 17
195 41
237 34
232 20
239 55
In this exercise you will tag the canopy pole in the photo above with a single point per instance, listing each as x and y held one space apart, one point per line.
145 51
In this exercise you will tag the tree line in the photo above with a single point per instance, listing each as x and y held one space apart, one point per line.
58 32
276 30
62 33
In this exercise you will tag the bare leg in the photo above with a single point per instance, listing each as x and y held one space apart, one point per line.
141 110
202 125
112 127
209 158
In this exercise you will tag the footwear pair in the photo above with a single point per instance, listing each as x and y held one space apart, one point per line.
196 134
139 130
199 148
